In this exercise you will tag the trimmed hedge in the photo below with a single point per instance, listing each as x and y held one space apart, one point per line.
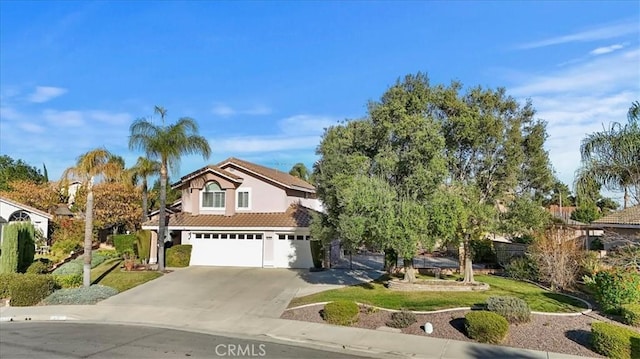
143 244
83 295
37 267
630 314
514 310
317 254
341 312
179 255
486 327
5 280
125 243
29 289
614 341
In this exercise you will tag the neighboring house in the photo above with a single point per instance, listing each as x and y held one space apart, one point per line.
620 227
563 213
238 213
12 211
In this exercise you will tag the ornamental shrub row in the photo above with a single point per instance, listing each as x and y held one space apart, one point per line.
614 341
82 295
29 289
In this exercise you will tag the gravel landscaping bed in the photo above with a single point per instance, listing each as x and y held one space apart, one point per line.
560 334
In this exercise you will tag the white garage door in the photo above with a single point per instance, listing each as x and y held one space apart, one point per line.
227 249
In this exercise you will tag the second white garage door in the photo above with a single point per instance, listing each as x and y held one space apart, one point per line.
227 249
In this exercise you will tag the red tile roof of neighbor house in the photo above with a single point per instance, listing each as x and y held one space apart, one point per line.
295 216
270 173
630 216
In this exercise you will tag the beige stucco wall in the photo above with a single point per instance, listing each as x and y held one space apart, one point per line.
265 197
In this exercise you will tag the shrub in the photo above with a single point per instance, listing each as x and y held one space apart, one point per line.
18 247
96 259
73 267
483 252
62 248
514 310
68 280
317 254
30 289
630 314
486 327
616 287
5 281
401 319
143 245
107 253
522 268
124 243
615 341
37 267
341 312
83 295
179 256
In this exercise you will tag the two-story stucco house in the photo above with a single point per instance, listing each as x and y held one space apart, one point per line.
238 213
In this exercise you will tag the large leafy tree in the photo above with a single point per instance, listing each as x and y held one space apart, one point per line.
41 196
91 166
141 171
167 143
12 170
611 157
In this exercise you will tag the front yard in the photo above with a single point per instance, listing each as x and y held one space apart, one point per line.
111 275
376 294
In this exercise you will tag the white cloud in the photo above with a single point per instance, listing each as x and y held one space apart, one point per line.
10 113
254 144
579 99
64 118
600 33
46 93
224 110
606 49
111 118
31 127
306 124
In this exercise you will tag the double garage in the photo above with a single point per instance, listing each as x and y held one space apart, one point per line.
262 249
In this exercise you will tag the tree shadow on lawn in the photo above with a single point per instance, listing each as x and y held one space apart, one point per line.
579 336
566 300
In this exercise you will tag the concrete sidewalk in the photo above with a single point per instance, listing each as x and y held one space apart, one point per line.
367 342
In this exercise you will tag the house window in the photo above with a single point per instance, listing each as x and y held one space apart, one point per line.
19 216
213 196
244 198
259 236
300 238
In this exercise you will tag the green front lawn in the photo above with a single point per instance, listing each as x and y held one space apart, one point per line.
119 279
376 294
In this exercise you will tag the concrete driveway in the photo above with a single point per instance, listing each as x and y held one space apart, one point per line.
252 291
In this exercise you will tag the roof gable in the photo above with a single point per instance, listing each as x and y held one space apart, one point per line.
25 207
274 175
208 169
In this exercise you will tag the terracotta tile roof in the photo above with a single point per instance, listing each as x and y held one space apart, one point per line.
270 173
215 169
28 208
630 215
295 216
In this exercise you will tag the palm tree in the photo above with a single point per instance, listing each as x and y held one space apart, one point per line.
300 170
141 171
611 158
167 143
89 166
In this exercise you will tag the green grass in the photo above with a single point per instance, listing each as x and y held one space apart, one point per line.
376 294
119 279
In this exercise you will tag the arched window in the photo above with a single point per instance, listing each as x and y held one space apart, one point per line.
213 196
19 216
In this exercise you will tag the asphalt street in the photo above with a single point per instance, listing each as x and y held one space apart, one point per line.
73 340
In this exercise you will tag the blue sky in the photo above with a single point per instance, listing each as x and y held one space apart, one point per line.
264 78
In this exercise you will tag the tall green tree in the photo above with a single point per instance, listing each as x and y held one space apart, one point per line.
611 157
300 170
142 170
167 143
97 164
17 170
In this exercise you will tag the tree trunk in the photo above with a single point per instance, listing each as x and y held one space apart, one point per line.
162 225
626 197
88 236
390 260
145 205
468 263
409 271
